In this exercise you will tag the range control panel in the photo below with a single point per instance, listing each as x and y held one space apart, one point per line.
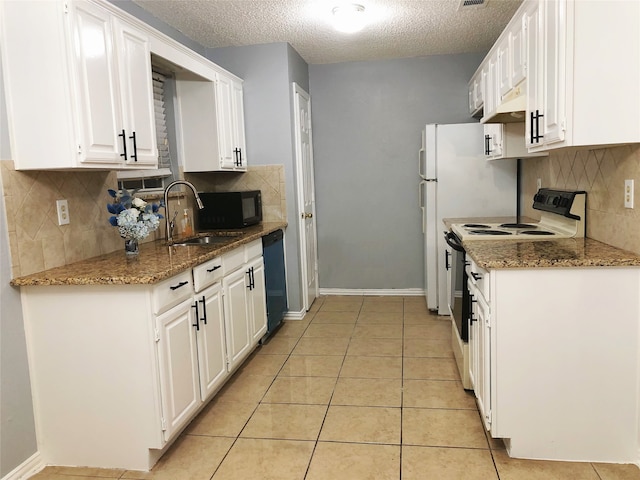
559 202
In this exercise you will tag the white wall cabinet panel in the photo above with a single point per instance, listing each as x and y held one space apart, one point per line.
232 148
178 357
506 140
236 317
97 100
258 300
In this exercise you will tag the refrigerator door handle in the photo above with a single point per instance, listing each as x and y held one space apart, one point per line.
421 203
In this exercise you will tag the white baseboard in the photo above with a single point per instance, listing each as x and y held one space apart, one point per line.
294 315
28 468
407 292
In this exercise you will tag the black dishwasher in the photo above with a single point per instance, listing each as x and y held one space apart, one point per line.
275 279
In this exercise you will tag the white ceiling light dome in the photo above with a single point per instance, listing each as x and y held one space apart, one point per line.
349 17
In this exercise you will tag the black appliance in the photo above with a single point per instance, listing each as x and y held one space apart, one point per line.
275 279
229 209
459 291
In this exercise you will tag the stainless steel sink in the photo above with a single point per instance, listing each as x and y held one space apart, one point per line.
211 239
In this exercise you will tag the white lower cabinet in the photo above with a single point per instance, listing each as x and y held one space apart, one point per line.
553 360
127 367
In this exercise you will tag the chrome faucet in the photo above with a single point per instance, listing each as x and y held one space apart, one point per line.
168 226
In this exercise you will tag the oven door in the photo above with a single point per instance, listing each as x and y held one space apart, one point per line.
457 290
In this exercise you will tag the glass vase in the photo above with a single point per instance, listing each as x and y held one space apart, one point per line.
131 247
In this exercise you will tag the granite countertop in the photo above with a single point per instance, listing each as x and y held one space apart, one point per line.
566 252
155 262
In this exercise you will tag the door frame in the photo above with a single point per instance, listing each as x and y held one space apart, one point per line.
297 90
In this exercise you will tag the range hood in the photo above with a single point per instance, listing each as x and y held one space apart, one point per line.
512 108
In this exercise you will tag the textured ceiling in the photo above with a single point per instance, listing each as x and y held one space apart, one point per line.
397 28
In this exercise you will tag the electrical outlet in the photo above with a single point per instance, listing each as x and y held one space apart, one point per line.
538 183
628 194
63 212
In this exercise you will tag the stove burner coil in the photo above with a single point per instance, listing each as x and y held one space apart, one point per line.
536 232
489 232
475 225
517 225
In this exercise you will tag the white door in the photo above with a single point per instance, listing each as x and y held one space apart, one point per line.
306 195
212 353
177 352
236 309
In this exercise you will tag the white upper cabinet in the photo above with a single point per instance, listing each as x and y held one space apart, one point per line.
78 87
212 123
506 140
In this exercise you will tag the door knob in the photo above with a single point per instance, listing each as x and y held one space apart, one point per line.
306 215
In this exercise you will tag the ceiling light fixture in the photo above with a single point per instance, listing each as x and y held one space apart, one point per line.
348 18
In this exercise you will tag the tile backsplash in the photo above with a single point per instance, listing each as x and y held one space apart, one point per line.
38 243
601 173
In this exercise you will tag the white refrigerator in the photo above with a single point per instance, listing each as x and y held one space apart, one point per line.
457 181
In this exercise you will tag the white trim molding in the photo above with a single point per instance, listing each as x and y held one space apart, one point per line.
26 469
406 292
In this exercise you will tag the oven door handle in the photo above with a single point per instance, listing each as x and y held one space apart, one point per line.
453 241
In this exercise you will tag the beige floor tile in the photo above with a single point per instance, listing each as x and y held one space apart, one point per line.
418 318
329 330
383 347
321 346
190 458
341 306
437 394
425 368
306 390
292 328
421 463
431 330
369 392
494 443
378 331
222 419
312 366
516 469
421 347
415 305
263 365
362 425
335 317
77 473
371 367
442 428
277 346
370 300
285 422
610 471
382 307
257 459
245 388
343 298
380 318
353 461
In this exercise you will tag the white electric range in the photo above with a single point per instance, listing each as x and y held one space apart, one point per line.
562 216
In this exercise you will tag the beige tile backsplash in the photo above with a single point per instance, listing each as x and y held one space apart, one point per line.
601 173
36 240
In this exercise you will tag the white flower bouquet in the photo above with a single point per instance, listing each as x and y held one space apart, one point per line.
134 217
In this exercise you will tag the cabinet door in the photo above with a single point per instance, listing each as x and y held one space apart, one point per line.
493 140
553 73
473 336
518 52
504 68
483 357
491 87
258 301
224 109
212 357
137 95
97 85
534 90
236 307
239 142
178 359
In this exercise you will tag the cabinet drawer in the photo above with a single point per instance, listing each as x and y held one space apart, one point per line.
172 291
236 258
480 278
207 274
253 249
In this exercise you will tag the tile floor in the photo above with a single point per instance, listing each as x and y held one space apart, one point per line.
364 388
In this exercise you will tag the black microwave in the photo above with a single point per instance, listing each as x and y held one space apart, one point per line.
229 209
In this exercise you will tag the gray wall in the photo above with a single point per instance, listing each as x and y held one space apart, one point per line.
267 71
17 428
367 119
